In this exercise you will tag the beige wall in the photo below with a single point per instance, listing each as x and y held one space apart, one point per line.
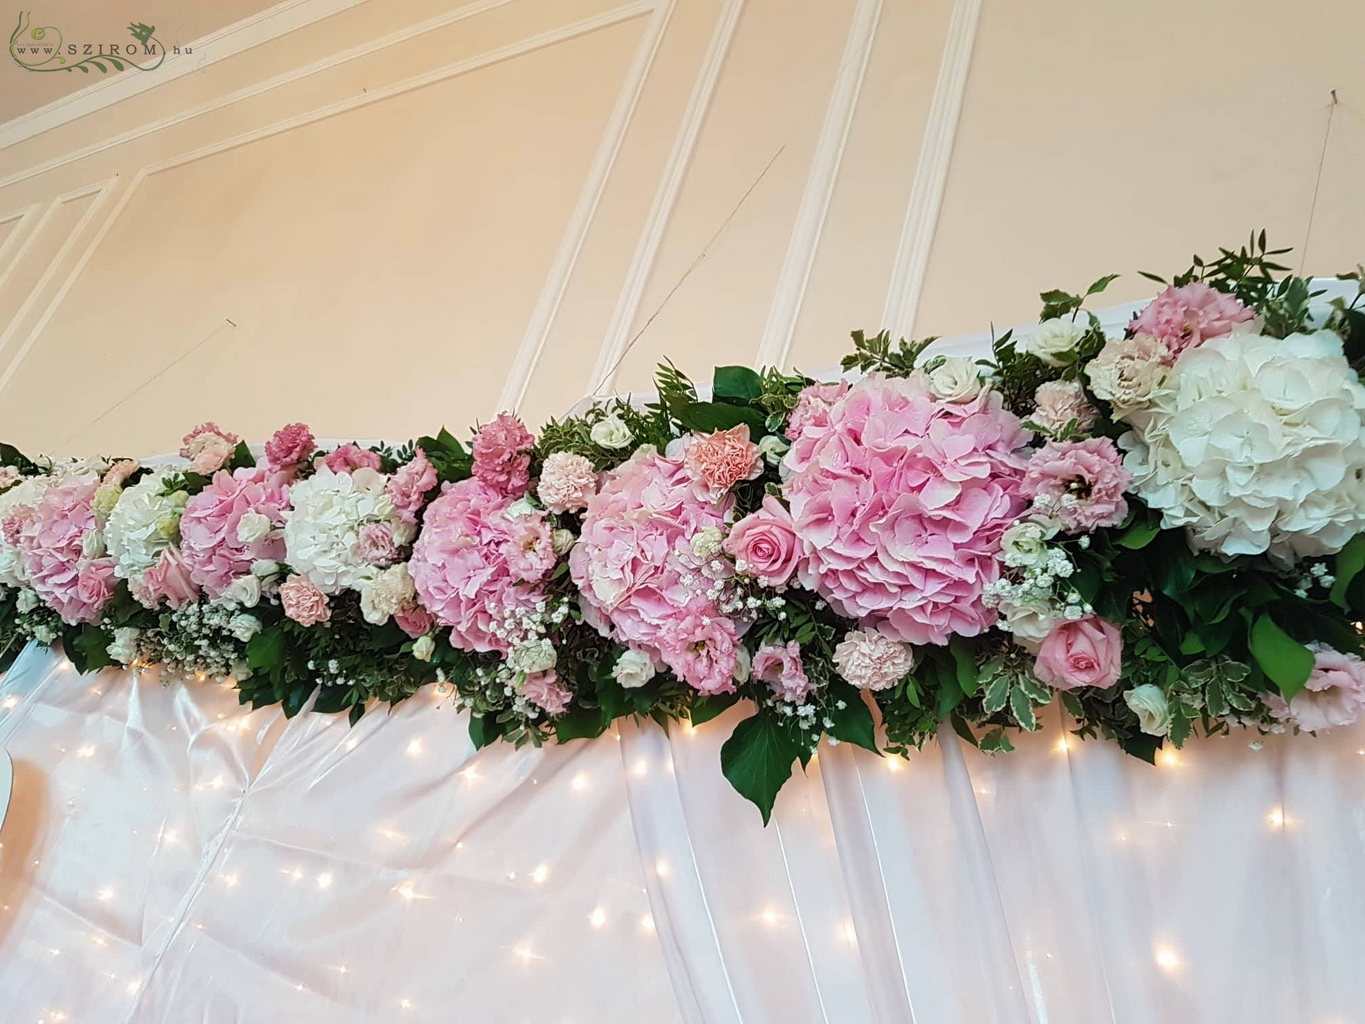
382 217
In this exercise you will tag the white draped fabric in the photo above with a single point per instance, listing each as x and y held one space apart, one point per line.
170 858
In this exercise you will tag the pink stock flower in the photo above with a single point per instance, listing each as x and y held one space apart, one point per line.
781 668
764 544
463 569
1080 484
1333 696
721 459
169 580
290 446
543 690
813 406
1188 316
899 503
211 534
567 481
702 651
303 602
376 544
1083 652
208 448
501 458
414 620
51 541
350 457
408 487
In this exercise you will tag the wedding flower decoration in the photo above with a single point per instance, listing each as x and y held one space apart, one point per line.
233 525
1190 315
62 546
329 511
1333 696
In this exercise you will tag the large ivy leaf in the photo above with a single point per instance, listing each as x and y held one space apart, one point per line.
581 723
736 384
706 708
1285 661
853 722
1349 563
757 759
705 417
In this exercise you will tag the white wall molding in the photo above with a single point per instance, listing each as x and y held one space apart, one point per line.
931 172
775 345
16 245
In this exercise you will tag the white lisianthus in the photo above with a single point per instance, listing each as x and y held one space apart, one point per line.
423 648
1128 371
1053 340
744 664
143 524
536 656
1025 543
1149 704
124 648
1029 621
562 540
633 669
957 379
772 447
253 526
27 599
1256 445
264 568
244 591
322 528
386 594
611 432
244 626
706 542
23 494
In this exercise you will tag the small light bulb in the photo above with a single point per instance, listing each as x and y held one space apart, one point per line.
541 873
325 880
597 918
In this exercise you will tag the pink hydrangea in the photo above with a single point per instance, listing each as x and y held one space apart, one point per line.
463 566
51 537
567 481
409 486
543 690
501 455
1080 484
639 581
900 501
721 459
1333 696
303 602
350 457
208 447
290 446
211 534
1188 316
781 668
813 406
168 580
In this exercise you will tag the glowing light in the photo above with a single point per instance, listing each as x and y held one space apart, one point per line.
580 782
133 986
351 743
407 891
895 764
295 875
105 895
641 767
169 837
471 774
1167 958
524 952
342 970
99 940
390 834
9 703
325 880
1167 758
405 1004
661 868
647 923
770 917
541 873
230 881
1276 818
1063 745
597 918
415 748
849 933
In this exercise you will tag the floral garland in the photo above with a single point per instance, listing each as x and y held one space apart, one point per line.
1166 527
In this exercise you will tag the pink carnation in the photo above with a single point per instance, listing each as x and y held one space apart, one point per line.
51 540
900 501
1188 316
209 541
408 487
169 580
813 406
501 458
638 579
721 459
1058 403
463 566
1333 696
208 448
764 544
377 545
350 457
120 471
543 690
781 668
303 602
291 446
1081 652
1080 484
567 481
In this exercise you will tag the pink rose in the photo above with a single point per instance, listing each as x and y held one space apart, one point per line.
291 446
1084 652
350 457
765 542
1079 483
375 544
169 580
1188 316
414 620
721 459
543 690
408 487
1333 696
208 448
303 602
813 406
781 668
567 481
501 458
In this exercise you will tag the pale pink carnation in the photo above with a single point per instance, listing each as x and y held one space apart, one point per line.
501 455
350 457
208 448
813 406
462 568
117 474
900 502
1081 652
414 620
702 650
764 544
169 580
781 668
872 661
1079 484
1188 316
209 542
291 445
376 545
1333 696
721 459
409 486
567 481
303 602
51 541
543 690
1060 402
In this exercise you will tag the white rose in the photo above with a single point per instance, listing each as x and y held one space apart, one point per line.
633 669
124 648
244 591
386 594
1029 621
706 542
1025 543
264 568
1053 340
957 379
252 527
772 447
423 648
562 540
520 508
1149 704
537 656
611 432
244 626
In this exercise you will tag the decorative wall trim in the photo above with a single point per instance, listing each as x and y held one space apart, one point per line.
931 173
18 240
819 191
547 306
647 249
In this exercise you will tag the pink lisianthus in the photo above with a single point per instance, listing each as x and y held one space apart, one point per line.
290 447
208 448
567 481
543 690
1079 484
529 548
408 487
1081 652
350 457
414 620
782 669
721 459
51 537
764 544
463 570
899 503
169 580
1188 316
1333 696
215 546
303 602
813 406
501 455
703 651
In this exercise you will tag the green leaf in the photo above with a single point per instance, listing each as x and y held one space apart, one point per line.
88 649
997 693
1141 746
757 759
853 722
580 723
704 709
241 457
996 742
736 384
968 674
297 697
704 417
332 699
1022 709
483 730
1101 284
1140 533
265 650
1282 658
357 712
1349 563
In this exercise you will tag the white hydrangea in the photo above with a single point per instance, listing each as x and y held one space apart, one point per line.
322 528
26 492
1256 444
142 524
